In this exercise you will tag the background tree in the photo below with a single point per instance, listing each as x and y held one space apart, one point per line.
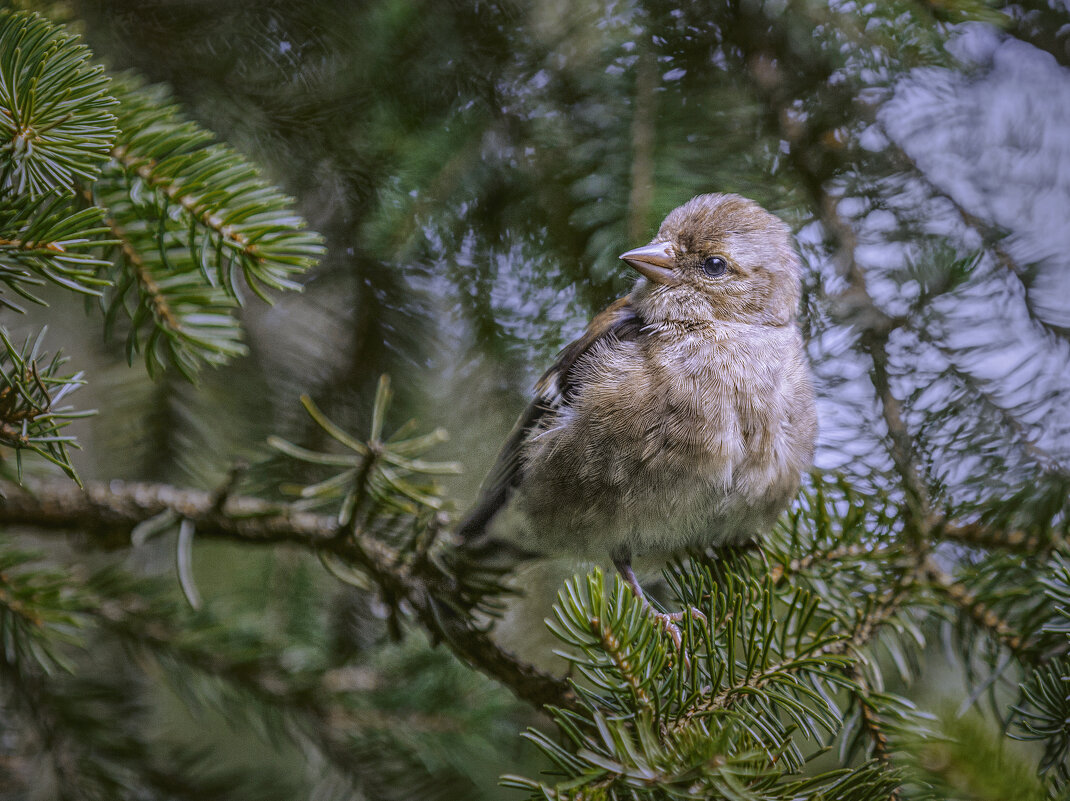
474 170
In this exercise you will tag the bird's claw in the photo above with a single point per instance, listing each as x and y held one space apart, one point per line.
667 623
668 620
677 617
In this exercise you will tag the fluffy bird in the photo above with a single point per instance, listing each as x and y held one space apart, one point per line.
682 417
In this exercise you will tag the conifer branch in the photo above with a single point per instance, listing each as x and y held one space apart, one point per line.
797 663
55 123
32 413
869 624
974 608
872 724
149 290
983 536
622 660
902 443
145 169
780 571
110 512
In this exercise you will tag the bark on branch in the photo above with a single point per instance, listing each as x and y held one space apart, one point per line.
111 511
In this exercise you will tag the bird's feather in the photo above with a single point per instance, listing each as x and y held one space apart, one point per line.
553 391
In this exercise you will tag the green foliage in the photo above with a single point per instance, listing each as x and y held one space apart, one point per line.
32 391
369 719
787 667
194 222
776 674
372 480
477 168
1044 714
970 759
36 617
141 208
41 239
55 125
723 723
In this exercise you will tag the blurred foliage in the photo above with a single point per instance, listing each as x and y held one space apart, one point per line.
474 169
142 209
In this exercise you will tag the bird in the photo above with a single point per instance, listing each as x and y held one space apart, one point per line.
683 417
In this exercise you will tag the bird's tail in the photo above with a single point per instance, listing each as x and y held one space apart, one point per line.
522 629
479 566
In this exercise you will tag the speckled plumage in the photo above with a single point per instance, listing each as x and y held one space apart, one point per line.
684 415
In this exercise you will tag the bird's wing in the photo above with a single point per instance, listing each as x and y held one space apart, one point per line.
553 392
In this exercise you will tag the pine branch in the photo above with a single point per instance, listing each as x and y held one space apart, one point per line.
175 319
782 570
32 413
234 219
902 447
647 726
974 608
41 611
191 223
110 513
868 625
188 221
45 238
872 722
54 117
983 536
1043 710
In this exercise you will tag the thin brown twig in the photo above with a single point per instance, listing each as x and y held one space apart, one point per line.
871 723
781 571
19 244
863 632
975 609
987 537
867 627
613 649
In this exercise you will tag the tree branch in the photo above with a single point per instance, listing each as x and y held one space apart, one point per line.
145 169
153 295
983 536
110 512
973 608
872 725
780 572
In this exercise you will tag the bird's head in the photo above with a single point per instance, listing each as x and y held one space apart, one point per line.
718 257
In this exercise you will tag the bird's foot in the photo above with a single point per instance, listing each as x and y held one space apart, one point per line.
668 622
677 617
665 620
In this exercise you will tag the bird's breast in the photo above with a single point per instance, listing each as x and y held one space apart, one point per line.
669 437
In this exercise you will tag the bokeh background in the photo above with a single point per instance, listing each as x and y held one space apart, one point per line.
476 167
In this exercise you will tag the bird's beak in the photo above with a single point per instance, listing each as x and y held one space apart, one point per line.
654 261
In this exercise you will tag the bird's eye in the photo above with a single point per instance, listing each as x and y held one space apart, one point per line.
714 266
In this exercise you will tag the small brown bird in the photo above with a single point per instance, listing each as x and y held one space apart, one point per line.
682 417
